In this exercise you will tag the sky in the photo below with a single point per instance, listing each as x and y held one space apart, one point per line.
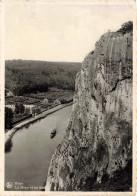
58 32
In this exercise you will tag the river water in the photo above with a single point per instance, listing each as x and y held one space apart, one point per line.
26 166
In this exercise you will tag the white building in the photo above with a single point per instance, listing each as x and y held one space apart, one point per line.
30 107
11 106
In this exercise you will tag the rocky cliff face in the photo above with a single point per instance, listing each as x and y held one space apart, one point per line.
98 139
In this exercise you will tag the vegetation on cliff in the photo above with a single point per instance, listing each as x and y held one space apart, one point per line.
121 181
126 27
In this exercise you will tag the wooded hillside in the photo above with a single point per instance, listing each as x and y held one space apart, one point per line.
27 76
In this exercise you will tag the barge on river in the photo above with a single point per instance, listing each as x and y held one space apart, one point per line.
53 133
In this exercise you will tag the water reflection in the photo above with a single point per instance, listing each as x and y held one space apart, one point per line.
8 146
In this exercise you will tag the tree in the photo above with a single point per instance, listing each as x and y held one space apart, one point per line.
126 27
8 118
19 108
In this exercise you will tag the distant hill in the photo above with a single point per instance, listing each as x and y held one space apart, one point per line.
27 76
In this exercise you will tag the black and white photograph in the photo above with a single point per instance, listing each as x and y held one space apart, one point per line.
68 97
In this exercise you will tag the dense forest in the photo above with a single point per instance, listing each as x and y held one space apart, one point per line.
27 76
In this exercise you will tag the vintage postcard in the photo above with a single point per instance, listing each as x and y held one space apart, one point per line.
68 97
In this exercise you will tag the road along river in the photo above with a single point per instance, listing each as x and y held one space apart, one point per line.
26 165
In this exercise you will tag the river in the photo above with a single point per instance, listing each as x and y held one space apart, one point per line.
26 165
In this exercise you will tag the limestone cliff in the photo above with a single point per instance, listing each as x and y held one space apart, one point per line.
98 139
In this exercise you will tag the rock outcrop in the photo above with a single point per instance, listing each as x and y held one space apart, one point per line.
98 139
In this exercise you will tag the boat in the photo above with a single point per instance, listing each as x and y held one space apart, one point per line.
53 133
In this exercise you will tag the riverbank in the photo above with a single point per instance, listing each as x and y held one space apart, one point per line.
10 133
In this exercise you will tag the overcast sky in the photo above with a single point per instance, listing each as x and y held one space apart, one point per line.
58 32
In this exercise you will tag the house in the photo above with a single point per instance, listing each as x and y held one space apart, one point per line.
36 110
31 104
30 107
11 106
